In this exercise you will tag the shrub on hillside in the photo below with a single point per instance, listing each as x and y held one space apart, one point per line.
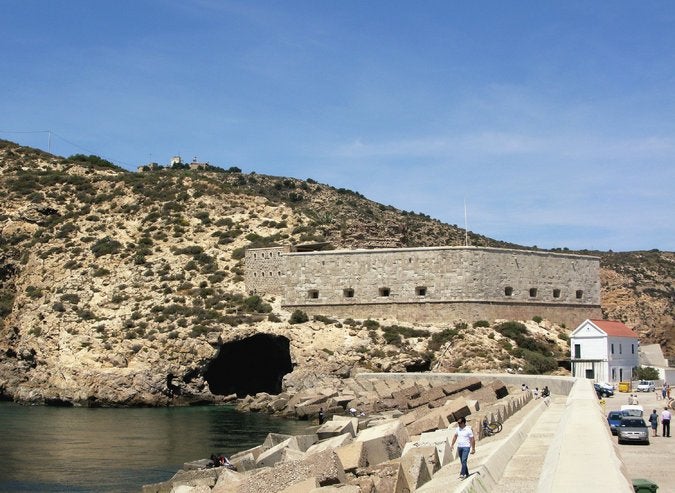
298 317
106 246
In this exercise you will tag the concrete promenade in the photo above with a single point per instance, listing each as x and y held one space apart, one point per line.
557 446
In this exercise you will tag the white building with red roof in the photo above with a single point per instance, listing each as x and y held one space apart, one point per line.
604 351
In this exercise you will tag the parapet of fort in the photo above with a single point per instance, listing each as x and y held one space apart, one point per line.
431 284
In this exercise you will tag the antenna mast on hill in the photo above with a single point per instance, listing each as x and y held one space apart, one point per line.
466 231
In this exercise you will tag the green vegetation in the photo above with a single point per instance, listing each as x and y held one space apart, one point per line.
645 373
298 317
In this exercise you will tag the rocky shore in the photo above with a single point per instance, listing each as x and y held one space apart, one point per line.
397 440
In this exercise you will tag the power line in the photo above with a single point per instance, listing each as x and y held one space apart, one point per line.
50 133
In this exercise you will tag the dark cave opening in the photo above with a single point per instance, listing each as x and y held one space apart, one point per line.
251 365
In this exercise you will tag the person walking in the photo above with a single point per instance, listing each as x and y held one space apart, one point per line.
664 391
654 420
466 443
665 421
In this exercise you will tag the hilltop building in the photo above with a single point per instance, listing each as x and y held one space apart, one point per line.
431 284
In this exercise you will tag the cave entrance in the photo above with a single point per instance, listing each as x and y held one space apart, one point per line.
251 365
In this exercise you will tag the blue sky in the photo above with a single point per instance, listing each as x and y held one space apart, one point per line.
554 121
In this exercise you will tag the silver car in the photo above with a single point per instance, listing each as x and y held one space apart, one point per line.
633 429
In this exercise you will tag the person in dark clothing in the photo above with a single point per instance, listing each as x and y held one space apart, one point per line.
322 418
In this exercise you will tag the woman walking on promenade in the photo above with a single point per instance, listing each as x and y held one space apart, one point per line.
465 443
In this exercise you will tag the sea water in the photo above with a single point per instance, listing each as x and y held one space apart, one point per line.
54 449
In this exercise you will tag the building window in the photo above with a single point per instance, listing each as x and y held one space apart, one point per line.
348 293
612 348
620 349
313 294
508 291
577 351
613 374
556 293
632 349
533 292
580 294
385 292
421 290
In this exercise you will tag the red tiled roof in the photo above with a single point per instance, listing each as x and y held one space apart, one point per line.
614 328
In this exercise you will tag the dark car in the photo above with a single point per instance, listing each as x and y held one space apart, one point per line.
633 429
614 420
603 390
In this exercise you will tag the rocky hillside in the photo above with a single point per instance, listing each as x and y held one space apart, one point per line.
111 280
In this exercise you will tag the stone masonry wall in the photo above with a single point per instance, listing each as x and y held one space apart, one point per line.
265 270
434 284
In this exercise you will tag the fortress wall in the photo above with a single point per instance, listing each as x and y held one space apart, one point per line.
265 270
448 312
430 284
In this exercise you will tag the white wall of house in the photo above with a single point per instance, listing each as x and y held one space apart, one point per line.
622 358
602 357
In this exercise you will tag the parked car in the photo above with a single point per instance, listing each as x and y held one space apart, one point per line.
646 386
614 420
634 410
633 429
603 390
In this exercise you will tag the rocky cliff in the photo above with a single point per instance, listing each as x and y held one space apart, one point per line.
121 288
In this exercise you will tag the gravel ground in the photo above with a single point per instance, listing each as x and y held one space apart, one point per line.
656 461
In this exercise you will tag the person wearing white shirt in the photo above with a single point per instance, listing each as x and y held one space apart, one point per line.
665 421
465 443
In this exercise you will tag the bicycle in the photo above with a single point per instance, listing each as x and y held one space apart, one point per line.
491 428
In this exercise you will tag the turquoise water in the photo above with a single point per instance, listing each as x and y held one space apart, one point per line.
49 449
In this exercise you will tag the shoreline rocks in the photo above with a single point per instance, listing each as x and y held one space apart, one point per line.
394 449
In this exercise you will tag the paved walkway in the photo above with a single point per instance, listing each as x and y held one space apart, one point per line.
524 469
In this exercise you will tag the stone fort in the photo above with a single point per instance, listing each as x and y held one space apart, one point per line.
430 284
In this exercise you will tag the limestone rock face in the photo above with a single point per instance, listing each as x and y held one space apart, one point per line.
121 288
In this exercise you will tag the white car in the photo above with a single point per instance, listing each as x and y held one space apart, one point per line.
645 386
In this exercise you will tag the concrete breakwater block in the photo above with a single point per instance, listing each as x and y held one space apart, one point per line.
302 442
325 467
500 389
335 428
331 443
279 453
428 452
194 479
413 472
305 486
228 481
383 442
352 456
429 422
440 440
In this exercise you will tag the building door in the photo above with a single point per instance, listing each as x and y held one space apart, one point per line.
620 374
590 374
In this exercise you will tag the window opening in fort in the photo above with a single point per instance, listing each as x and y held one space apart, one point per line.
279 273
385 292
262 274
556 293
255 274
271 274
533 292
313 294
348 293
508 291
580 294
421 290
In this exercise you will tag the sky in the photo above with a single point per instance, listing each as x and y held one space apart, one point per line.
551 124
